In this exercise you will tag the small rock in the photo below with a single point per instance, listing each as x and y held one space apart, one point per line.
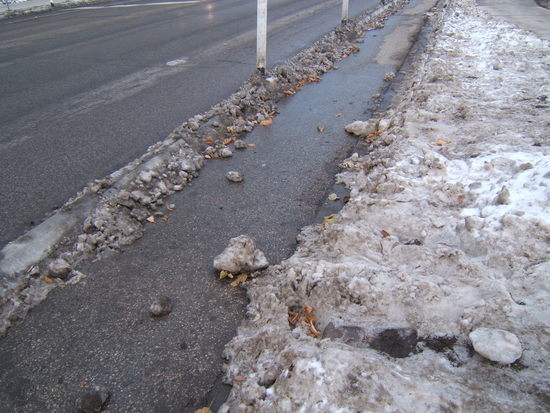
241 255
397 342
59 268
225 153
496 345
187 165
503 197
93 401
388 77
239 144
234 176
161 306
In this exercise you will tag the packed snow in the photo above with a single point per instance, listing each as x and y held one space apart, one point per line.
430 292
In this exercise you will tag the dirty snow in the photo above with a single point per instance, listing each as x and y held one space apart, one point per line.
446 232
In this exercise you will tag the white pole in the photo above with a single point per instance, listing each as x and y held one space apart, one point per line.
261 38
345 8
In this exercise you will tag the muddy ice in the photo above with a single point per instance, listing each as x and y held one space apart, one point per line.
442 249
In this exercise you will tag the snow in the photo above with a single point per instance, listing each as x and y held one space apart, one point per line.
446 233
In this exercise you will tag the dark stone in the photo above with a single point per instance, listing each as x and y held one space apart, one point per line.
347 334
439 343
93 401
396 342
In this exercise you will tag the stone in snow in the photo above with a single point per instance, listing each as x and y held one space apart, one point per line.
239 144
241 255
59 268
496 345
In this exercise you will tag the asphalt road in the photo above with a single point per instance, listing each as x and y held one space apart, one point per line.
86 90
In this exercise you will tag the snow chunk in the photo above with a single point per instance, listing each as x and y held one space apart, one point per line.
496 345
241 255
361 128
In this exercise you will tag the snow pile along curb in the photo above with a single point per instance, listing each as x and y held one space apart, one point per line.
442 246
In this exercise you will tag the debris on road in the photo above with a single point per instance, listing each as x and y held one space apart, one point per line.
234 176
241 255
94 401
161 306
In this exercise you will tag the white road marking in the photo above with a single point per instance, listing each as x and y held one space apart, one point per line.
178 62
118 6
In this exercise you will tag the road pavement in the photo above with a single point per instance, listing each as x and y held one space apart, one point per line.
86 90
99 332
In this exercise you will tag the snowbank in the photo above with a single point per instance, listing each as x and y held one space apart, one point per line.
446 232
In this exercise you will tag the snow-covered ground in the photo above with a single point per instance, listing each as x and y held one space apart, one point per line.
440 255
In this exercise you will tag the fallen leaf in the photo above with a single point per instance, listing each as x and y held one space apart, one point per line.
209 141
229 140
241 278
251 145
82 384
239 379
320 128
385 234
207 157
441 142
48 279
151 219
375 134
333 197
345 199
338 115
266 122
308 309
460 198
312 78
203 410
165 218
355 49
170 207
289 92
330 219
293 317
224 274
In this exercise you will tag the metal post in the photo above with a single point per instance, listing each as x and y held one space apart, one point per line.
261 38
345 8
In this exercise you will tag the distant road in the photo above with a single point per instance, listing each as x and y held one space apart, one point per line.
83 91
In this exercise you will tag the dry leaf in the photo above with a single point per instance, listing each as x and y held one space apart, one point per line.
170 207
289 92
385 234
151 219
241 278
239 379
266 122
293 317
333 197
82 384
345 199
330 219
441 142
229 140
207 157
209 141
320 128
375 134
308 309
338 115
48 279
203 410
224 274
251 145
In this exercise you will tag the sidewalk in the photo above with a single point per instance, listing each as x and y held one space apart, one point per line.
526 14
32 6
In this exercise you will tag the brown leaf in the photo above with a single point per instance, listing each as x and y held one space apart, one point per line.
339 115
308 309
241 278
266 122
229 140
385 234
251 145
441 142
320 128
209 141
82 384
289 92
239 379
151 219
345 199
48 280
375 134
